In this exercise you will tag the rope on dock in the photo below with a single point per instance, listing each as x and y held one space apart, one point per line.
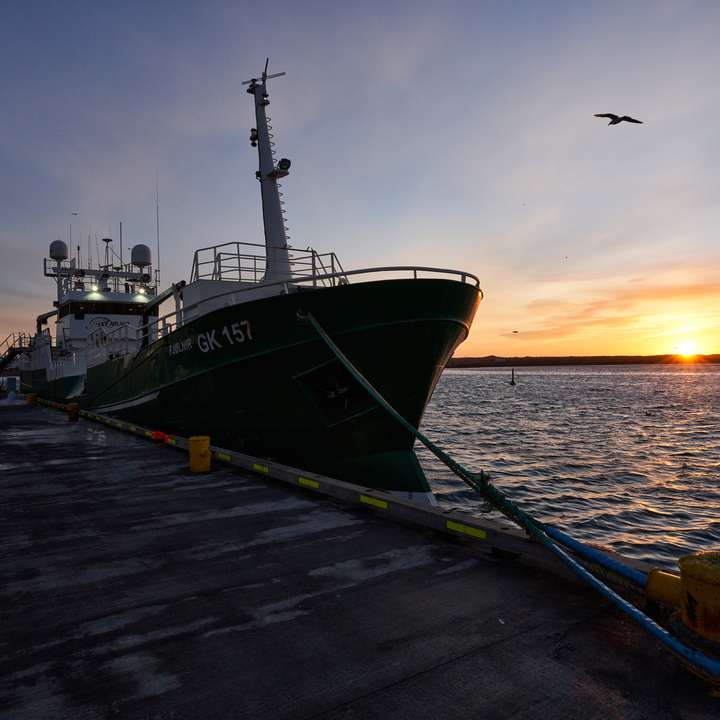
699 662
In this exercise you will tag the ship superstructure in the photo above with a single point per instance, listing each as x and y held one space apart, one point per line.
231 356
92 304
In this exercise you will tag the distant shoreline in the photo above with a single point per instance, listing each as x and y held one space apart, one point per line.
498 361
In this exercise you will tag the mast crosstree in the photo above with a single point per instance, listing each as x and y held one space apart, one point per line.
276 247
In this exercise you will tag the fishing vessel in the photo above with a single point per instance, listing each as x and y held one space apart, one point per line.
230 353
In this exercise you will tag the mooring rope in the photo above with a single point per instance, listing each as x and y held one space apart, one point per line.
706 665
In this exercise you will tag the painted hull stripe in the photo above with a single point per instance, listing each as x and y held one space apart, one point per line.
129 403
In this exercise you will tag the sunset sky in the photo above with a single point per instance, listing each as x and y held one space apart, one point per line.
456 134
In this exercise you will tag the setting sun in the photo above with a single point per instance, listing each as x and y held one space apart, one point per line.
687 348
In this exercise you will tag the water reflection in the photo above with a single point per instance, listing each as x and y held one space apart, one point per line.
627 456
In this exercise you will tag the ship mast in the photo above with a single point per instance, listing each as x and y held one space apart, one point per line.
276 247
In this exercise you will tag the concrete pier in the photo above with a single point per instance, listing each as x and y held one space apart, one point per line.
130 588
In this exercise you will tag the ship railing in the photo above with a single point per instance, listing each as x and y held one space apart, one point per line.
17 339
247 263
13 345
102 345
323 268
236 261
43 339
59 364
158 327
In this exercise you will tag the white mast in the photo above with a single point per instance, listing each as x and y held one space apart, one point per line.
276 248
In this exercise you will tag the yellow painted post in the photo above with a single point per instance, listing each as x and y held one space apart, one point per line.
700 609
664 587
31 399
73 411
199 452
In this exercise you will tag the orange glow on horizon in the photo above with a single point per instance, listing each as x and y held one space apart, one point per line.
669 314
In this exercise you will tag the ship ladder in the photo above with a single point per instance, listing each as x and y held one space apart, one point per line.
281 195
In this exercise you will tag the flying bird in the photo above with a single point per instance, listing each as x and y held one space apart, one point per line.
615 119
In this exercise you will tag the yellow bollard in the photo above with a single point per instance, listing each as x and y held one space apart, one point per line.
700 608
664 587
199 451
73 411
31 399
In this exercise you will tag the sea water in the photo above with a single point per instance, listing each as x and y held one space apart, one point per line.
625 456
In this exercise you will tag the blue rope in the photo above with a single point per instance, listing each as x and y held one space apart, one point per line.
708 666
597 556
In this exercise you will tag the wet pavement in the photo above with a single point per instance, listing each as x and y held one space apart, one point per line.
130 588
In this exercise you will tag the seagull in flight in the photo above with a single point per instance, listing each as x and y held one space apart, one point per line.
615 119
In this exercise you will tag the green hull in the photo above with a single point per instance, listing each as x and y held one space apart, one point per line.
258 379
59 390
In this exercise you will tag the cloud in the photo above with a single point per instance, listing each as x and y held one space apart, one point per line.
636 312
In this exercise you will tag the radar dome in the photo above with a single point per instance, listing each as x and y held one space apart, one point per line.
58 250
141 256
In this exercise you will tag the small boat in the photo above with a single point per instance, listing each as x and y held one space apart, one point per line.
229 354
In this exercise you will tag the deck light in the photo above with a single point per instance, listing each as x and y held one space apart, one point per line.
94 288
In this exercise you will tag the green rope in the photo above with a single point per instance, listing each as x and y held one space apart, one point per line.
480 482
707 666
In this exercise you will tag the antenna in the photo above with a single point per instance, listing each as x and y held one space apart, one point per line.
73 214
121 262
107 242
157 228
265 76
